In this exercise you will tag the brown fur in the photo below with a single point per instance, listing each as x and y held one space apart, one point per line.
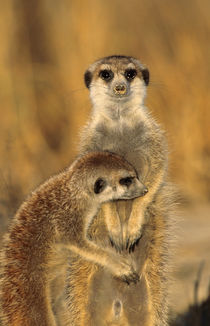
54 219
141 227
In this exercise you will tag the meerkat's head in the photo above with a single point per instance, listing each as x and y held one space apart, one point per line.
116 80
109 177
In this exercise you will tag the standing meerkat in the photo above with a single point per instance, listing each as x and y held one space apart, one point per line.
121 123
59 212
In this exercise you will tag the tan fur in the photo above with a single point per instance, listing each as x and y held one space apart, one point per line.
139 228
52 221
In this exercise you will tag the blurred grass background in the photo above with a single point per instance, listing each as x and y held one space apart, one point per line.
45 47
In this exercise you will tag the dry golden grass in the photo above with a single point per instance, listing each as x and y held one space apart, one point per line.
45 48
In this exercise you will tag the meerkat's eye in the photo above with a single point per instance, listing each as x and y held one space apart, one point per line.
106 75
130 74
126 181
99 185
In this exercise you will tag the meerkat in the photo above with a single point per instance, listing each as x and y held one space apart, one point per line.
121 123
59 212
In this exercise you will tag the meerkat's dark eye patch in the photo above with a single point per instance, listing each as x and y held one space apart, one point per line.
130 74
99 185
145 75
87 78
106 75
126 181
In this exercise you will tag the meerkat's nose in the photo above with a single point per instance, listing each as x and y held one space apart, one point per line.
120 89
144 191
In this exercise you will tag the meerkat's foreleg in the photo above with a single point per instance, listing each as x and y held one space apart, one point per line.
116 216
113 225
125 233
120 266
132 230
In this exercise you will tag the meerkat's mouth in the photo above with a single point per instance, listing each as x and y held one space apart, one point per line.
120 89
120 98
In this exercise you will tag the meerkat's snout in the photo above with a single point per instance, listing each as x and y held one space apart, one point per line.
144 191
141 189
120 89
133 188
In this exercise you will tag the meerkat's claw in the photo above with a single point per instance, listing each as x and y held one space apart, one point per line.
111 242
132 242
127 244
137 278
126 280
133 277
132 247
116 244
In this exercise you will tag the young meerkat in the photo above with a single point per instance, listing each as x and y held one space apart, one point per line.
121 123
59 212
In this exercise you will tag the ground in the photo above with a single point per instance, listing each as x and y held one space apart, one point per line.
192 256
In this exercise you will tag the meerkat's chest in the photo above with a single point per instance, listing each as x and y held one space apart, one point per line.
123 140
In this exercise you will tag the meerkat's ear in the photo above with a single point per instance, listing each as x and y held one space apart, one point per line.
99 185
87 78
145 75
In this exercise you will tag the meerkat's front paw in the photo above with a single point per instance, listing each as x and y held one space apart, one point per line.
132 277
133 235
124 270
116 240
133 242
